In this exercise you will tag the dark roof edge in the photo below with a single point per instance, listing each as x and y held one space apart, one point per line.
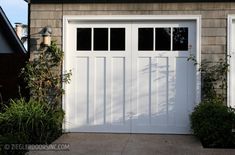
124 1
12 31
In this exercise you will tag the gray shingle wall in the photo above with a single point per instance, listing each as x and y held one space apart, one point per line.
214 20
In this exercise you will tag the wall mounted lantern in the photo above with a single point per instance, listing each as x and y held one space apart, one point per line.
46 34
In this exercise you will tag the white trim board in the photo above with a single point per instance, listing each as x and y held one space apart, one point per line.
231 60
75 18
129 18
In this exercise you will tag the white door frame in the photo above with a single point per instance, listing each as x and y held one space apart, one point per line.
85 18
231 59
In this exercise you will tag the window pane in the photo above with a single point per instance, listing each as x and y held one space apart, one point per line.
117 39
180 39
163 39
83 39
145 39
100 39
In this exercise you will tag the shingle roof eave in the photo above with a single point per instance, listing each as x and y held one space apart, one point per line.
9 30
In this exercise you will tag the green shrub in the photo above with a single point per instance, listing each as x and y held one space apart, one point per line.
30 122
42 77
212 123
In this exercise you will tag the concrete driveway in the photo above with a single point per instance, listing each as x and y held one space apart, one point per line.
131 144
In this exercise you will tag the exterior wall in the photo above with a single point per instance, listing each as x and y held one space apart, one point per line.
5 48
10 68
11 63
214 20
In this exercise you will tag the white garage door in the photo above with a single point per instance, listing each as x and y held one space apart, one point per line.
130 77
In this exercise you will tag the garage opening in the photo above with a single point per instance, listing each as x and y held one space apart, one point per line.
130 76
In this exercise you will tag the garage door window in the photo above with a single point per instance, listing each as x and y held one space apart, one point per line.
163 39
102 39
180 39
84 39
145 42
117 41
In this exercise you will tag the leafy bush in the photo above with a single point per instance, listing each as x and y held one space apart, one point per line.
38 121
30 122
43 78
212 123
214 77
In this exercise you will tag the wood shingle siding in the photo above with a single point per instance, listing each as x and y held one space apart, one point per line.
214 18
213 15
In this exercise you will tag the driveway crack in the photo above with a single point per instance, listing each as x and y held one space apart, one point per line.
128 140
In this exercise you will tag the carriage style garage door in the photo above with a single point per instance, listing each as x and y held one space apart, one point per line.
130 77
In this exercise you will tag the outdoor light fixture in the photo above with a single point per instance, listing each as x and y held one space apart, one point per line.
46 34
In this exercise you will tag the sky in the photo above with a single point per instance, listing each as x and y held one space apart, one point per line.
16 11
